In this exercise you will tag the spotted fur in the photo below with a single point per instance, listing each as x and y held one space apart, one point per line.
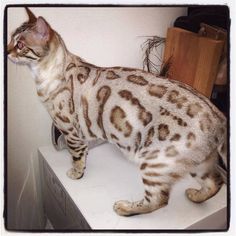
144 115
118 119
165 126
137 79
111 75
157 90
163 132
102 96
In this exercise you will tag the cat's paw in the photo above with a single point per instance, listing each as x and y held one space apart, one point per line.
74 173
123 208
193 195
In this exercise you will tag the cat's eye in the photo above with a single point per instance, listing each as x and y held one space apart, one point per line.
20 45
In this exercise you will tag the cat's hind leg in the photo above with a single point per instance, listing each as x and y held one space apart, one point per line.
151 201
209 179
157 179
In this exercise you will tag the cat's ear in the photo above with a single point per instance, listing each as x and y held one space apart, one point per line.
31 16
43 29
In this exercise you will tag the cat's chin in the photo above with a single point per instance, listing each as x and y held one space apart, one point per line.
17 61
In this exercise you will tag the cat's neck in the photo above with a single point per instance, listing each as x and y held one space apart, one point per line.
49 72
51 67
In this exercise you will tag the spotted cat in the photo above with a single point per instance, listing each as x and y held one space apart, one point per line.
166 127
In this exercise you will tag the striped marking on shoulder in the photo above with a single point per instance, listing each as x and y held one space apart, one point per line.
83 73
102 96
70 66
98 73
71 100
88 123
59 92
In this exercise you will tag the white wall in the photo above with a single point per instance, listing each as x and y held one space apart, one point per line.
103 36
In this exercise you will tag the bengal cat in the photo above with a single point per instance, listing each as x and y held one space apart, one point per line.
166 127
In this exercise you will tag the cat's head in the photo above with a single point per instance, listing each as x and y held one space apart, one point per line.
30 42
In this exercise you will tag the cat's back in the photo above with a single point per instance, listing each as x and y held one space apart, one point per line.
130 100
145 90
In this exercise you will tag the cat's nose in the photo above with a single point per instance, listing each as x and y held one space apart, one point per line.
10 47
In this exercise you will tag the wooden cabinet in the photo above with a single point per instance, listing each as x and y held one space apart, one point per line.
194 59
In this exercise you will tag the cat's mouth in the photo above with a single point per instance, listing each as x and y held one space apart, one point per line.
13 59
11 54
16 60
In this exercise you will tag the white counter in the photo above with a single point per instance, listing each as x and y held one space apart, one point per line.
110 177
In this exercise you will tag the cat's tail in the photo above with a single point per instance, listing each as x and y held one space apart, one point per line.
223 162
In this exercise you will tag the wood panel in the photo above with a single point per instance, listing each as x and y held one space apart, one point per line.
194 59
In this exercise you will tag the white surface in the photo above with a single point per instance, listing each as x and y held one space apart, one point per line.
109 177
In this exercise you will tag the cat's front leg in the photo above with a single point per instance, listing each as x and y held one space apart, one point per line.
78 149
